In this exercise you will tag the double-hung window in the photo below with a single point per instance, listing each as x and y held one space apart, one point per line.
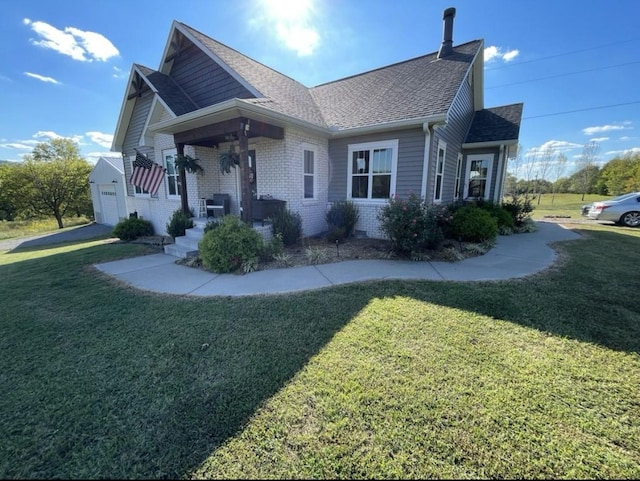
309 174
372 170
442 154
174 188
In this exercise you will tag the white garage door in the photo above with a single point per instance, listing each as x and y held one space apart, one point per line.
109 204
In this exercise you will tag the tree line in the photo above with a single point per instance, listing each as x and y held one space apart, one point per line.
619 175
52 181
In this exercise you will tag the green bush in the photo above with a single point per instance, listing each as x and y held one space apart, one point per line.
520 207
410 224
473 224
132 228
288 225
271 249
501 215
179 223
343 215
336 234
228 246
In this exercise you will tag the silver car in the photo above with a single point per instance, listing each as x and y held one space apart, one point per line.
624 209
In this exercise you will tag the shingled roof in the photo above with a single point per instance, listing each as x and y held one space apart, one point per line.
414 88
175 98
411 89
495 124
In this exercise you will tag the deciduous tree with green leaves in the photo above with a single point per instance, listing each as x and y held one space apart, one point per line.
54 179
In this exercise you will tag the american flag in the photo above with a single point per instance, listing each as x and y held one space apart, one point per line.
147 174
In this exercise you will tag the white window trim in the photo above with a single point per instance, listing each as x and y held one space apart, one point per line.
437 196
470 158
164 153
456 192
314 149
140 195
382 144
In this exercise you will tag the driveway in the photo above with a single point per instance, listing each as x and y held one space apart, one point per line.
88 231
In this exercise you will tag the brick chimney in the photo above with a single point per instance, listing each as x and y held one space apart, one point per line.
447 32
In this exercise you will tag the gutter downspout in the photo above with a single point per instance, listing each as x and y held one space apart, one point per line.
497 194
426 127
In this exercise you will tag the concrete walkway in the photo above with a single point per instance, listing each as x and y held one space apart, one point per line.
513 256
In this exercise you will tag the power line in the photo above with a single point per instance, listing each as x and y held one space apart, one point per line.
563 54
563 75
582 110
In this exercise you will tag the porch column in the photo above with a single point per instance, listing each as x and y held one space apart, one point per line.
182 175
245 185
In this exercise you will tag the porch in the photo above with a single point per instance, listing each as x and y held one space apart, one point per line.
187 245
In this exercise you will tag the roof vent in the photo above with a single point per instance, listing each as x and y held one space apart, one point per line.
447 33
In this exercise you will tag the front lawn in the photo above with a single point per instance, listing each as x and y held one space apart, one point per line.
531 378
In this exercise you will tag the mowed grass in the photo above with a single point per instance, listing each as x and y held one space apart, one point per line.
564 205
531 378
18 228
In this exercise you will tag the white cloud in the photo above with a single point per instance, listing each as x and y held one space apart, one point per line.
633 150
557 146
42 78
605 128
77 44
48 134
292 23
599 139
102 139
20 145
119 73
492 53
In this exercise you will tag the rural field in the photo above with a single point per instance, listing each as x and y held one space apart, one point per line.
529 378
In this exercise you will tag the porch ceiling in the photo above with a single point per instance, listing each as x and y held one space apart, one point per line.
216 133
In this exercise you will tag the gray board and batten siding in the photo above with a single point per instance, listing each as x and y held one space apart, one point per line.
134 132
203 80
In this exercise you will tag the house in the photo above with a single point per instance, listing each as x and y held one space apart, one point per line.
108 190
415 126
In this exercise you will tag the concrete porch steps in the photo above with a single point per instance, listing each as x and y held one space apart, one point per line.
187 245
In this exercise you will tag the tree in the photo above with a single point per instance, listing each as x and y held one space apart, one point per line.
558 170
588 172
621 174
544 164
9 203
54 179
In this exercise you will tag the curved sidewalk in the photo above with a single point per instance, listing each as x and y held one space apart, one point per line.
513 256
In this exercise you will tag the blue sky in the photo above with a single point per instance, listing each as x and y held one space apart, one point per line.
64 65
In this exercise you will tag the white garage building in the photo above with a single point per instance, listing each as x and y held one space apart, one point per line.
108 191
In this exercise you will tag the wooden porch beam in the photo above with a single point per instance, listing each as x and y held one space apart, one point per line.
182 176
245 185
220 129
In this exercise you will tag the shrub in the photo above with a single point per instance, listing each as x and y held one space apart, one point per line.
410 225
316 255
212 224
227 247
336 234
272 248
520 207
132 228
288 225
179 223
504 218
473 224
343 215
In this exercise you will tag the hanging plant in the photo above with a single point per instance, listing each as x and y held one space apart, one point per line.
188 163
229 159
